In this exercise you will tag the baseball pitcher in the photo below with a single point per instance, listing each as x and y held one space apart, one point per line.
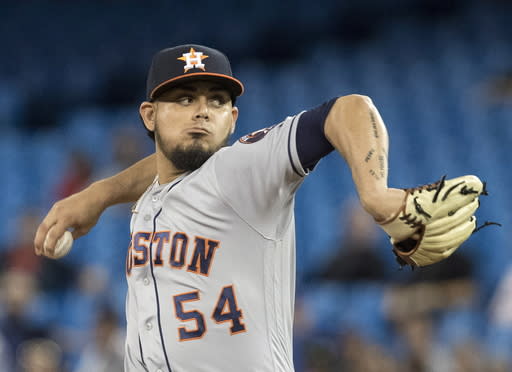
211 260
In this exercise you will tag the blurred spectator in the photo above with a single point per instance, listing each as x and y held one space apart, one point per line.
356 256
320 356
51 275
446 290
349 352
39 355
501 303
20 255
359 355
499 332
5 355
419 352
127 148
498 89
77 175
303 330
468 357
77 310
105 351
445 285
18 289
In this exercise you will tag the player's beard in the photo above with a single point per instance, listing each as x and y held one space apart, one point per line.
188 158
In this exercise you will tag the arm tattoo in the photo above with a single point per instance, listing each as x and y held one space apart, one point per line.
382 166
374 174
374 125
369 155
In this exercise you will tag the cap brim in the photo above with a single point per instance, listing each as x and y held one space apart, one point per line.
235 86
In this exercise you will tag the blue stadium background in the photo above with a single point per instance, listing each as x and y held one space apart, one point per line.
72 75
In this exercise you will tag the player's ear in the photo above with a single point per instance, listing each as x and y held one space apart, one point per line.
147 112
234 112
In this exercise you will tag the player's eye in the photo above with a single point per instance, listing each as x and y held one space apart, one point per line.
218 101
184 100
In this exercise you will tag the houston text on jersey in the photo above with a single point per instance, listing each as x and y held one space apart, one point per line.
175 250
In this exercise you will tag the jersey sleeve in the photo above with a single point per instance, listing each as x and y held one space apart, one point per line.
312 145
259 174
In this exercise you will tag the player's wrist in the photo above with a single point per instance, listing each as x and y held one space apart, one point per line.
103 193
383 204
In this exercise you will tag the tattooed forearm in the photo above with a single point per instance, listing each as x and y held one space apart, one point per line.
374 125
369 155
382 166
374 174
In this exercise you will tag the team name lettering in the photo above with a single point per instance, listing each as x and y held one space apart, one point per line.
176 250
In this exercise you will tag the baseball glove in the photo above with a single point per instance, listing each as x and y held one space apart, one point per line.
434 220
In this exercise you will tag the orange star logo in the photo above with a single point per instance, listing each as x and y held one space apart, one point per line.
193 59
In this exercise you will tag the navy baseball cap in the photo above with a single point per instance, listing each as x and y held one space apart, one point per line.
173 66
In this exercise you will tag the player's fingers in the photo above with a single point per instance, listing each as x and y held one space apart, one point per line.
39 237
62 215
41 232
76 233
53 234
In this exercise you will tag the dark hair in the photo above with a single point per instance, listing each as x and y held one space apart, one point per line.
151 134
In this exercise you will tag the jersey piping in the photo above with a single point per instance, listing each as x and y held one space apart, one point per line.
156 286
142 355
294 123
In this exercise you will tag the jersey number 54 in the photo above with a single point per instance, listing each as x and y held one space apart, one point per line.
225 310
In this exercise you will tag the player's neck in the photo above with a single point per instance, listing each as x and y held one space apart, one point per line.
166 170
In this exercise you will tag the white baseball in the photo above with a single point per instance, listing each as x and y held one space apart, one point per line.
62 247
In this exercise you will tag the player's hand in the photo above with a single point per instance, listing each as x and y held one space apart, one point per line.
78 213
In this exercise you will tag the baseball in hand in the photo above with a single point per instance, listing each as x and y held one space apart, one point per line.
62 247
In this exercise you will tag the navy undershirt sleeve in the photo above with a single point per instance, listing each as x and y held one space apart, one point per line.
310 138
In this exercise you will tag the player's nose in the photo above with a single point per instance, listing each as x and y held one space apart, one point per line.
202 108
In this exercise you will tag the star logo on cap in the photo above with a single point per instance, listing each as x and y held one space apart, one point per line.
193 59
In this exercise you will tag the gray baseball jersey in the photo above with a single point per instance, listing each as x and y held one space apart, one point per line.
211 263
